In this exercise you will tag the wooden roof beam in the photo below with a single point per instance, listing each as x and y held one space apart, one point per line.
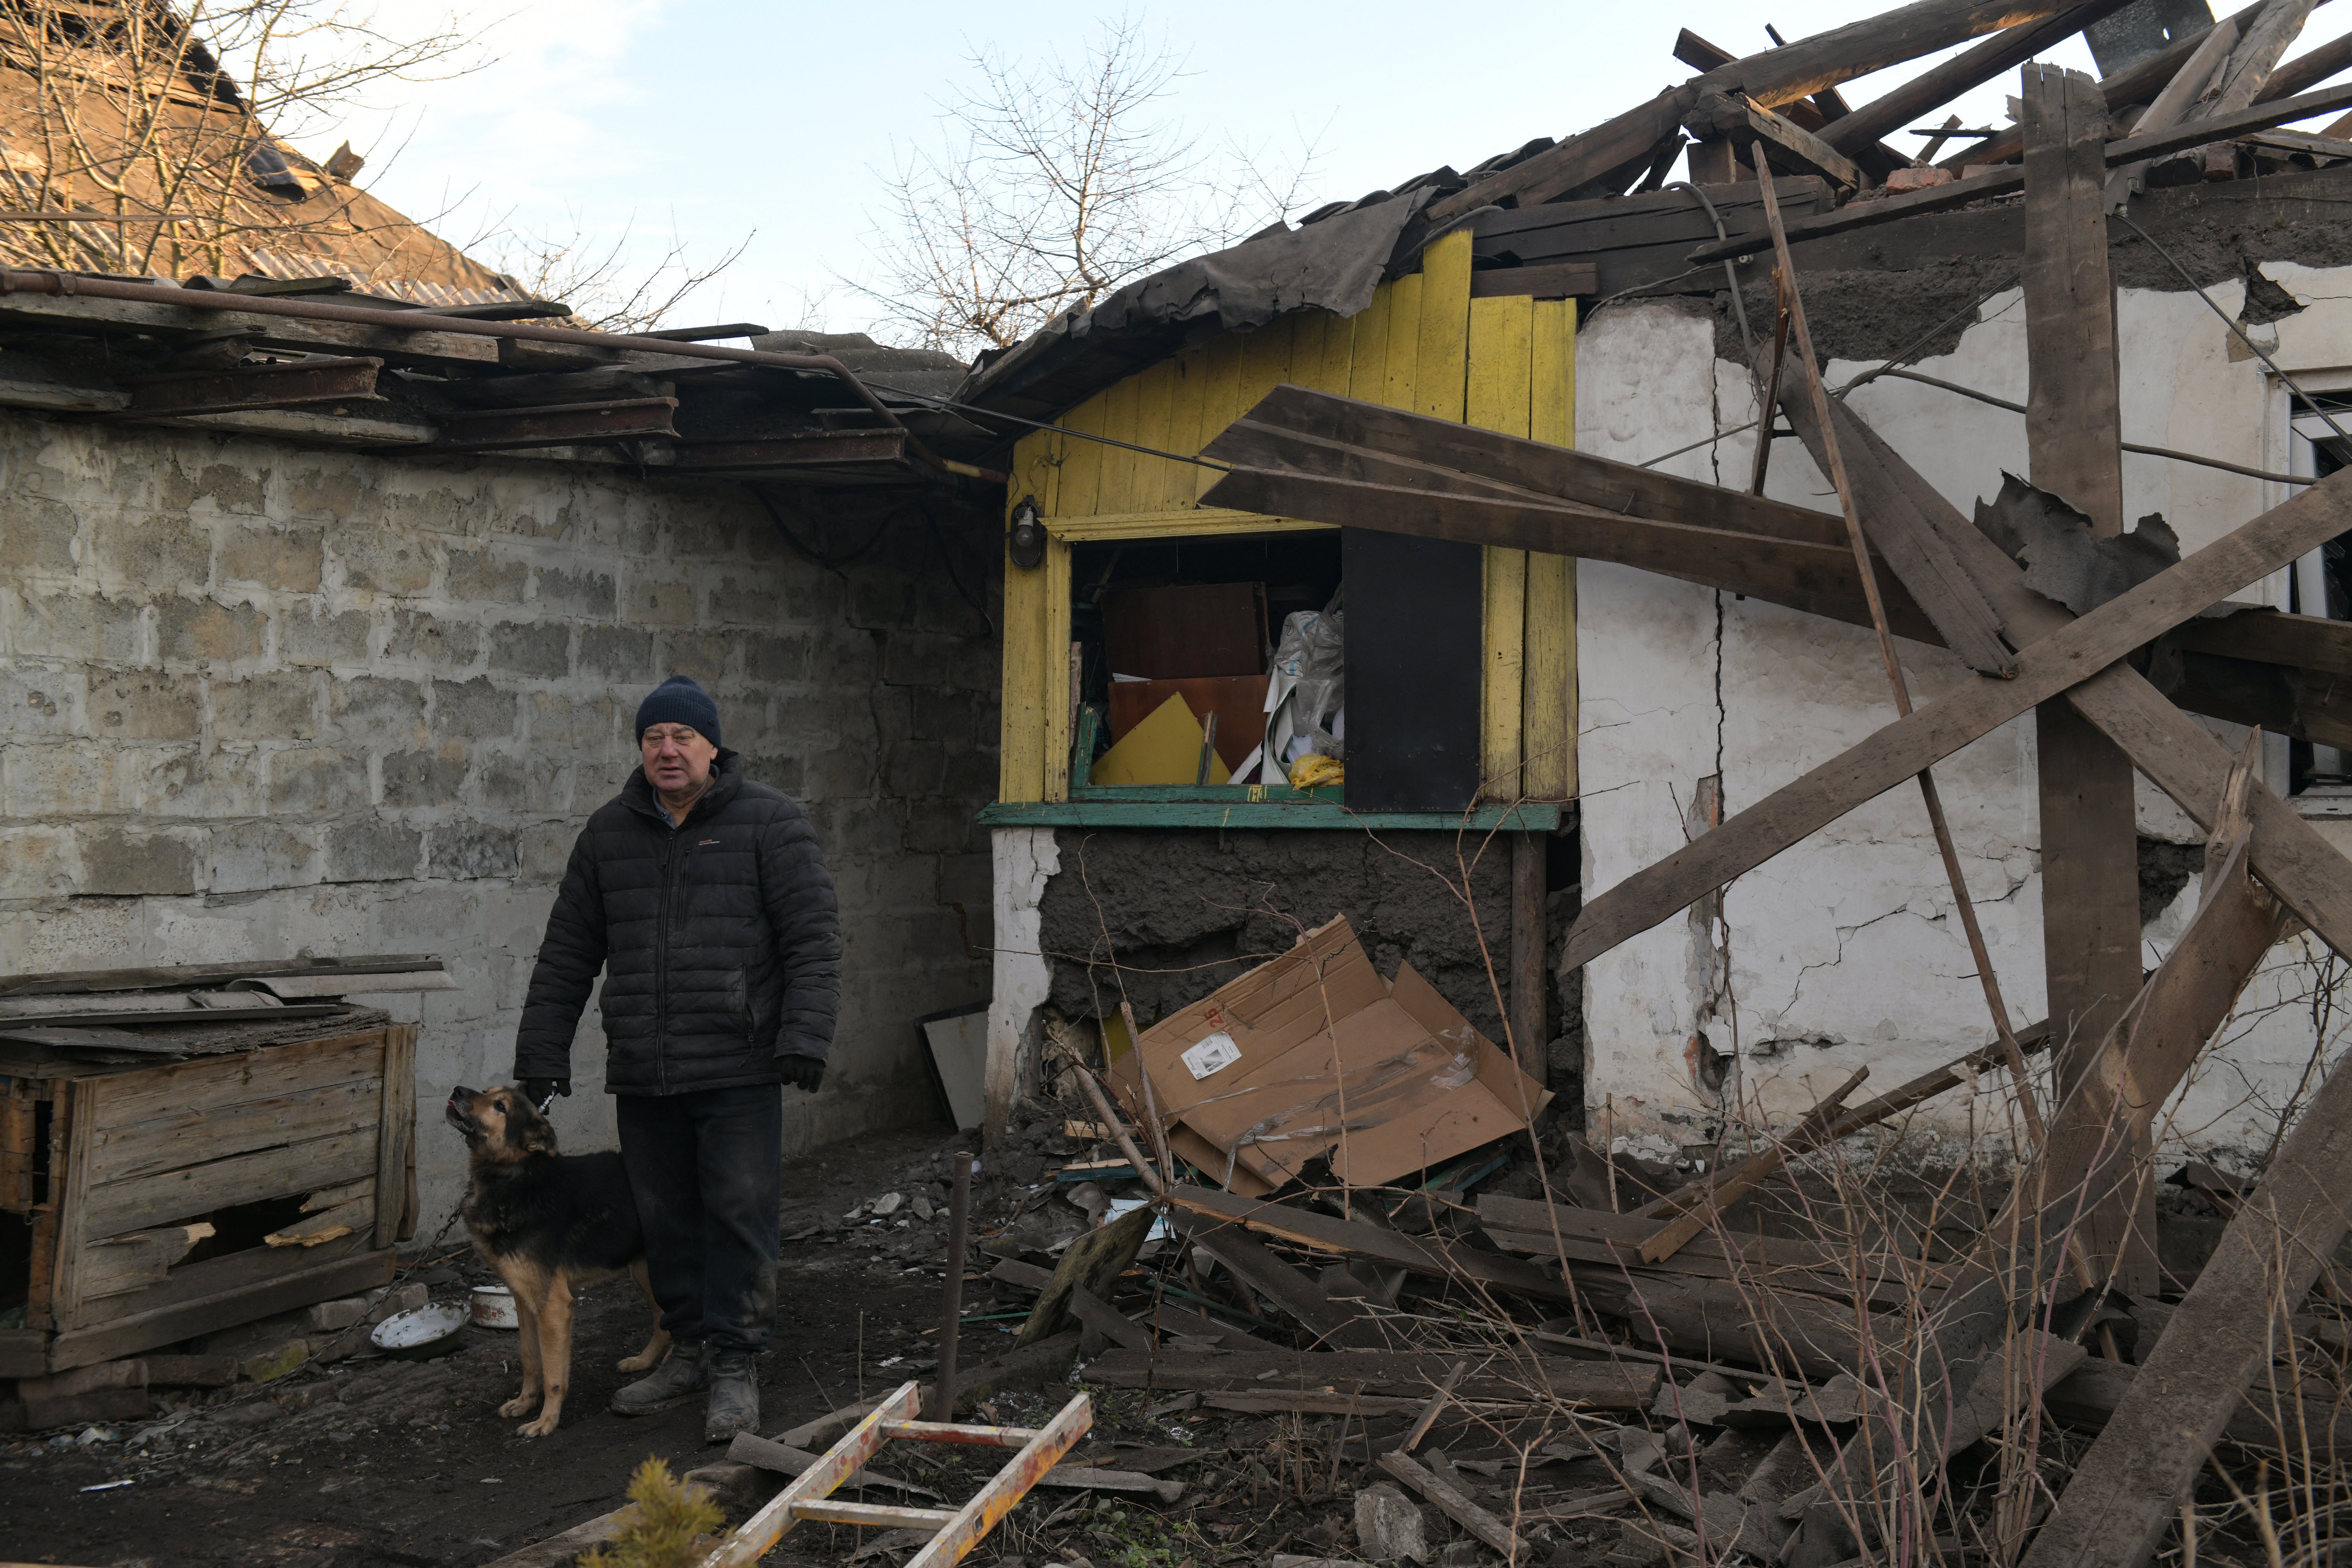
1772 78
1932 89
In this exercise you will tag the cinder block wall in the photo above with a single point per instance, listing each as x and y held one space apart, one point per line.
258 700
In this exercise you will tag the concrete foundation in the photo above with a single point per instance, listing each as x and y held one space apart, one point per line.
1166 916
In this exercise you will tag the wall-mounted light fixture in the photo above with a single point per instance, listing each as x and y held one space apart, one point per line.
1026 540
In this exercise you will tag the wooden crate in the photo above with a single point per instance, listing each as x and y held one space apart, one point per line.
113 1164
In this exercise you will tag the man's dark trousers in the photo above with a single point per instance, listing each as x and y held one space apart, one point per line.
707 1168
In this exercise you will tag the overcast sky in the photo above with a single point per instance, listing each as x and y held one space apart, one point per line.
717 118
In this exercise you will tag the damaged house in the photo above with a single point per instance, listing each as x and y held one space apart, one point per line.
335 567
1522 730
1840 617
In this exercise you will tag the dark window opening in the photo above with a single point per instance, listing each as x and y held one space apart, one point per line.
2321 584
1198 619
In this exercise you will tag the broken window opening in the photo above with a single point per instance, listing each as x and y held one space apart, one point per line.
2320 584
1173 647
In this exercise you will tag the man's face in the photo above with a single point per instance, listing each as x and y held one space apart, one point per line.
677 757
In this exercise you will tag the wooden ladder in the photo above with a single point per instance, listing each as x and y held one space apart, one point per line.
955 1531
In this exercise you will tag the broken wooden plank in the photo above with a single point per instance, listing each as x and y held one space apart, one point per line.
2090 844
1793 148
1598 1386
2124 1492
1332 1322
1719 1321
1345 438
1071 1477
2067 657
1429 1412
1108 1320
2250 65
1677 1233
1773 78
1089 1263
2273 637
2004 180
1782 571
1456 1504
1939 85
1325 1233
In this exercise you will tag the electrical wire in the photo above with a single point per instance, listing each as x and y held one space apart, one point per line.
2125 218
832 564
931 522
1901 356
1730 267
934 401
2127 446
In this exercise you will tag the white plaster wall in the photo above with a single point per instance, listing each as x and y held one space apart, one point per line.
1844 950
1023 859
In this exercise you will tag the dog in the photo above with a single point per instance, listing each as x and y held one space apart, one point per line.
547 1223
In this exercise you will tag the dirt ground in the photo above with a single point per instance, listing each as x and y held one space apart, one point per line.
408 1462
379 1461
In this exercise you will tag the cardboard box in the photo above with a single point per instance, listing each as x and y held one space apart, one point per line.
1237 701
1314 1053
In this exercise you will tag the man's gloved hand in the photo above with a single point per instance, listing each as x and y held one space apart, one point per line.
801 1072
541 1091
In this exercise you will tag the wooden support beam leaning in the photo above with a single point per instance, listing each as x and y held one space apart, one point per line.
2077 654
2102 1130
1930 573
1792 149
2122 1494
2176 753
1783 571
2073 424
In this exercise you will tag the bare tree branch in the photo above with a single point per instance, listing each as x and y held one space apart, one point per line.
1052 184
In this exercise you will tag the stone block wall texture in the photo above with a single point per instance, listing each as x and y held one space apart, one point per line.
260 700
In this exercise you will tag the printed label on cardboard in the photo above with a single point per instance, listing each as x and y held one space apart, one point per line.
1212 1055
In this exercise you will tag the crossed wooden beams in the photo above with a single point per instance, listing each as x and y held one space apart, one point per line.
1310 455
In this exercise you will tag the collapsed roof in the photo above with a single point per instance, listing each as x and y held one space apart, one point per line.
1595 206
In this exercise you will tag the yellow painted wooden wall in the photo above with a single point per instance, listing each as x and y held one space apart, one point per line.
1504 364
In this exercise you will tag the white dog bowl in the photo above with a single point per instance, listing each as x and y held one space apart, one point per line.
421 1332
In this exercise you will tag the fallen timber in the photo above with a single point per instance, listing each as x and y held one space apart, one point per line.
1306 453
2078 659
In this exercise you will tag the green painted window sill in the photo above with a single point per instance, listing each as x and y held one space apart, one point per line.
1254 806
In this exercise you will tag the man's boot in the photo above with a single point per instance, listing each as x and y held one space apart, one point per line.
734 1398
678 1379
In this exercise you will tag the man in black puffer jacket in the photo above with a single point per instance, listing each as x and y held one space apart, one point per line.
704 900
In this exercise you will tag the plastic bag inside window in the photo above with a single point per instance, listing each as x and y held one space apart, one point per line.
1306 691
